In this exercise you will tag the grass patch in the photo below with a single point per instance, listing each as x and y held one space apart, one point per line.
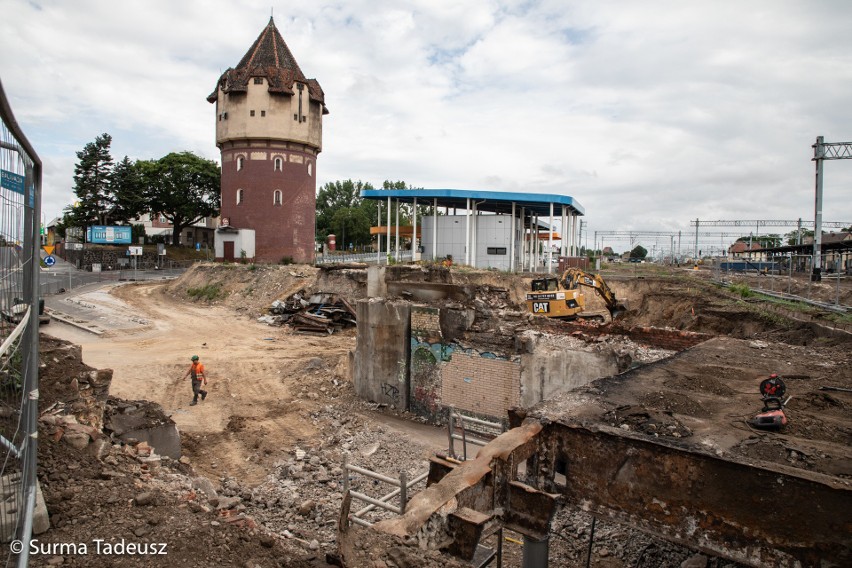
208 292
744 290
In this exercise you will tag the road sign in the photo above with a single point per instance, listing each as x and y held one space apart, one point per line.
135 251
49 260
49 249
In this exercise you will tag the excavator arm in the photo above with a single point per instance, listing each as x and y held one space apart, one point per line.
574 277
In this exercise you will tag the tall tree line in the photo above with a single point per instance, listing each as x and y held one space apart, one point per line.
342 211
181 187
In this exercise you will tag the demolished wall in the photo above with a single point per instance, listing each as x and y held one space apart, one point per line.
453 360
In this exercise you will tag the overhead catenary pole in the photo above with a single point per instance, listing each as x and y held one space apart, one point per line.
695 251
818 158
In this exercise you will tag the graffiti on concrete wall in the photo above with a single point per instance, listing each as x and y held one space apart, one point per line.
391 391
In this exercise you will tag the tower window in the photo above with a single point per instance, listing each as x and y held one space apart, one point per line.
276 197
263 113
251 113
240 196
278 164
240 160
258 80
224 116
310 169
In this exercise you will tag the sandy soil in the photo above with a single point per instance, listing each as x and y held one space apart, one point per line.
256 373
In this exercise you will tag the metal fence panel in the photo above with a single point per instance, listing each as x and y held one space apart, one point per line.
20 212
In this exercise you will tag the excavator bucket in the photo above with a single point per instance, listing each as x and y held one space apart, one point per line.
618 310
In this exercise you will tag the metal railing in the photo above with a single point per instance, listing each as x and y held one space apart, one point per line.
20 212
479 436
364 257
384 502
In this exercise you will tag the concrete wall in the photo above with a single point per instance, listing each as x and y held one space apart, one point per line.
381 359
407 356
546 371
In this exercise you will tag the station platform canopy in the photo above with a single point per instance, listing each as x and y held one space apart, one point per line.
490 201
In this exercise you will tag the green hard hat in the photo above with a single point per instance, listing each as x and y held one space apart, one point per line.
195 357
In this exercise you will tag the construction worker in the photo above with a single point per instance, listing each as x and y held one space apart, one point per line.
196 369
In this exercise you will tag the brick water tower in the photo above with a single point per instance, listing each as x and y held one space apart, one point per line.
269 130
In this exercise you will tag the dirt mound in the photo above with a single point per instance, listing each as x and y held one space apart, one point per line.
695 305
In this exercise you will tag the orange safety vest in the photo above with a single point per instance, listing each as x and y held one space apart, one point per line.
196 369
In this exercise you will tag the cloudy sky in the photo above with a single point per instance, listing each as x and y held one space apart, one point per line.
650 114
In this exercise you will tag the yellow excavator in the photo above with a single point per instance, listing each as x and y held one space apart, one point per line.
562 297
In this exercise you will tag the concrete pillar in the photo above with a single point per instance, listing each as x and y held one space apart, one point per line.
389 229
396 254
376 285
535 553
382 352
435 229
415 243
467 232
512 232
550 241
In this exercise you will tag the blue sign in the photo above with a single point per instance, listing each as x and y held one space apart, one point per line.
114 235
12 181
49 260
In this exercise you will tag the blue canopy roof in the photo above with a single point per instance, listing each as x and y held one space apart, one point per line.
493 201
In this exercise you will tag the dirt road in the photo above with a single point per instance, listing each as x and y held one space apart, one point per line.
264 382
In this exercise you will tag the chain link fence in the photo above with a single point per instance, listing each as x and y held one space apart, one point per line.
20 206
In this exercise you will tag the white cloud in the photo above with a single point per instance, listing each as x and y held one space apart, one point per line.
650 114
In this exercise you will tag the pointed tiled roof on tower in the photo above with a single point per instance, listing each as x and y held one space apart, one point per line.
268 57
269 50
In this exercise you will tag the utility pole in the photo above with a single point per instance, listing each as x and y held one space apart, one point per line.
695 252
824 151
818 157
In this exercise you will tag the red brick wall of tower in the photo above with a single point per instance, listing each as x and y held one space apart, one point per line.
284 229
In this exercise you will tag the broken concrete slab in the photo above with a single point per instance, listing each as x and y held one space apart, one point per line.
143 421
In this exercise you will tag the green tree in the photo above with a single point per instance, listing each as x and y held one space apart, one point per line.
639 252
92 183
341 211
762 241
182 187
352 225
335 196
127 192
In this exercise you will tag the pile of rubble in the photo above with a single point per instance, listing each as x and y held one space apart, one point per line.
320 313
